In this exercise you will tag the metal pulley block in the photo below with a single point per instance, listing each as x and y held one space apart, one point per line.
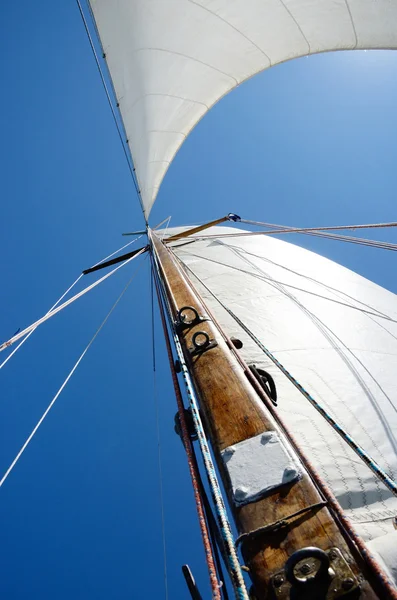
312 574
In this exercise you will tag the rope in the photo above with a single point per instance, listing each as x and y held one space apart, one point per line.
234 565
365 457
216 540
284 522
287 229
271 280
116 252
62 297
166 227
378 572
50 314
187 444
55 398
122 138
161 223
317 232
156 406
342 238
30 332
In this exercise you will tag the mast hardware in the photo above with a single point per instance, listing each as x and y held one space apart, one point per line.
266 382
314 574
279 524
258 466
191 583
238 344
233 217
189 422
186 321
201 343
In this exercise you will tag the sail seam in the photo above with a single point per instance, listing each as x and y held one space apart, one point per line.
266 279
369 461
352 22
131 108
232 27
188 57
330 335
378 571
297 24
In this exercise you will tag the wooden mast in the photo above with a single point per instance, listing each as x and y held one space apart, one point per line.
233 413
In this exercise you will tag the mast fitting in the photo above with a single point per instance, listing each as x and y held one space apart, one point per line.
266 382
259 465
186 320
201 343
312 573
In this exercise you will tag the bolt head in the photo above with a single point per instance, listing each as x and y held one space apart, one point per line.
240 493
347 583
278 580
305 569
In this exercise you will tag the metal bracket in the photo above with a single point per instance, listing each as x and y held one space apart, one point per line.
201 343
184 321
311 574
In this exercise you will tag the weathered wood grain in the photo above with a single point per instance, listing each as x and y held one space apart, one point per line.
232 414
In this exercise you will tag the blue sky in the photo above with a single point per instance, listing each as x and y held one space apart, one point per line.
311 142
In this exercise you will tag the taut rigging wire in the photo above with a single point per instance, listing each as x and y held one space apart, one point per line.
122 138
287 229
316 232
361 453
47 316
156 407
55 398
188 448
225 527
381 575
61 298
264 278
34 328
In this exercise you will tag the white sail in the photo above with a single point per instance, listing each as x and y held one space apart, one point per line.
336 333
171 60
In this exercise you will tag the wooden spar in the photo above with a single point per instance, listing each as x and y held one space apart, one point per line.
233 413
188 232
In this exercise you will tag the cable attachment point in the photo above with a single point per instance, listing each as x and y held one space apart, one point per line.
188 317
266 381
312 573
233 217
189 422
201 343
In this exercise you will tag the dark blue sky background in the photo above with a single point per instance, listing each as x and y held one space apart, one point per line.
311 142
